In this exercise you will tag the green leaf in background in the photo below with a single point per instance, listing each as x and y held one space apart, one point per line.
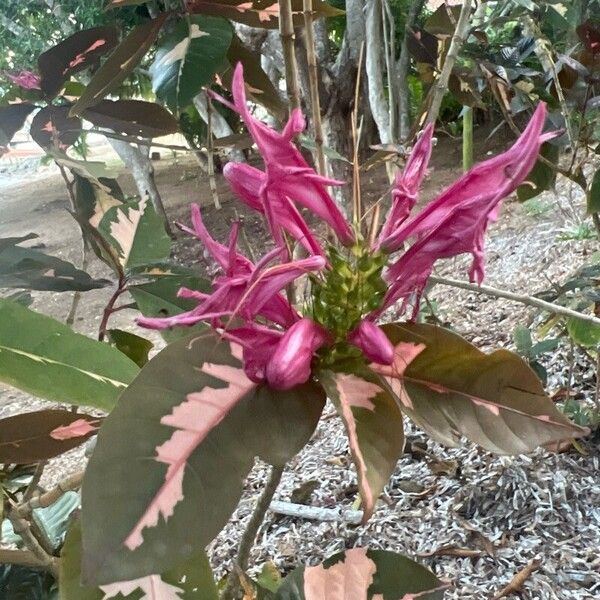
46 358
583 333
135 347
450 388
188 58
77 52
593 204
158 298
367 573
119 65
132 117
31 269
374 425
137 232
12 118
191 580
542 177
523 341
193 403
32 436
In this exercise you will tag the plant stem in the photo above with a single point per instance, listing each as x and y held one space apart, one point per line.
520 298
467 138
286 31
109 309
256 518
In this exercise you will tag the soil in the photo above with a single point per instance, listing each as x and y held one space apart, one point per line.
525 253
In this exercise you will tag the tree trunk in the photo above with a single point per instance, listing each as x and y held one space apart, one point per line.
140 166
374 69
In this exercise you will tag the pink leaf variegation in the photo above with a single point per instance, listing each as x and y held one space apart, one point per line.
151 586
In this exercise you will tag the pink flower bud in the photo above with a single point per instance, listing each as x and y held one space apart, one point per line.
374 344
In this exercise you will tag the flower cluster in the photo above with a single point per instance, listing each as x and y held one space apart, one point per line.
351 283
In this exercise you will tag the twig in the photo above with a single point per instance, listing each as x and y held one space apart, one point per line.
316 513
313 83
520 298
286 31
35 480
516 583
249 535
70 483
441 85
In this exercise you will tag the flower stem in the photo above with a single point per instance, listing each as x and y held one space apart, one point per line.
256 518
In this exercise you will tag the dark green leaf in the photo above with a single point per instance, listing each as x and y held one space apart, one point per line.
137 233
27 438
77 52
542 176
593 204
193 579
523 342
31 269
373 423
132 117
45 358
188 58
135 347
450 388
158 298
12 118
367 573
123 60
207 464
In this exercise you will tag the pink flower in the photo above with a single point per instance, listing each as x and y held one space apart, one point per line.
26 80
374 344
290 364
287 176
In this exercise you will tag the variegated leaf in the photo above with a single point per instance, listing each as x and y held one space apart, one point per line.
450 389
176 450
362 574
373 423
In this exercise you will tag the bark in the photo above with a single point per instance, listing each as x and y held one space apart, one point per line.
219 125
441 85
375 70
140 166
402 68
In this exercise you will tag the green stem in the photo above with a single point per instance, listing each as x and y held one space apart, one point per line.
467 138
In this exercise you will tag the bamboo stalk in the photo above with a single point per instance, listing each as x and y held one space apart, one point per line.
458 39
286 31
356 196
211 156
313 82
467 138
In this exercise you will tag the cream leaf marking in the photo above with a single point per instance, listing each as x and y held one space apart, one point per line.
51 361
346 580
179 51
124 228
153 587
355 392
193 419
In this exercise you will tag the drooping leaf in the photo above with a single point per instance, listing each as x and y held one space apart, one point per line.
137 232
135 347
373 423
593 204
46 358
451 389
257 13
158 298
191 580
121 62
542 176
28 438
132 117
583 333
12 118
77 52
31 269
188 58
362 574
197 424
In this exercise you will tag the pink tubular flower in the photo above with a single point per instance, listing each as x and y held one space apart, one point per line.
374 344
290 364
287 176
26 80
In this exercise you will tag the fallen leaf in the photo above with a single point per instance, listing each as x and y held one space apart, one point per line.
453 550
303 493
516 583
444 467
